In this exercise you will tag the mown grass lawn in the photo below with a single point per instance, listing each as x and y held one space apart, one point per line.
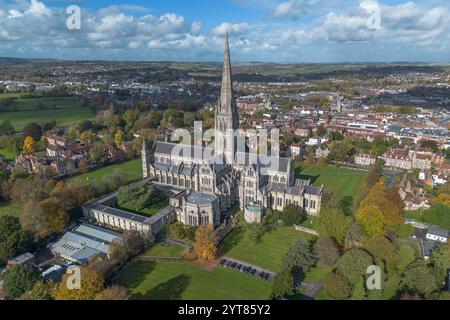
346 182
176 281
268 253
10 209
133 171
150 211
317 273
63 116
165 250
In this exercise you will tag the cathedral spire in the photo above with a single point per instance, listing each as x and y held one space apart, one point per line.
226 96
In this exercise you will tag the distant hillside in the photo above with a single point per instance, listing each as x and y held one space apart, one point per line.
13 61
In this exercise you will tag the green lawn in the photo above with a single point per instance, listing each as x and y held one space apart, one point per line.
317 273
63 116
10 209
27 104
165 250
150 211
8 155
268 253
415 215
176 281
133 170
346 182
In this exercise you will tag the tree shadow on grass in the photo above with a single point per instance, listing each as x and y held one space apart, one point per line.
232 240
136 273
299 175
170 290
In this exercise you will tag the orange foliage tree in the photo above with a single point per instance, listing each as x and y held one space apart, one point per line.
205 245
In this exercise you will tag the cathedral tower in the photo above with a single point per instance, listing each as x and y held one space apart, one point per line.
226 116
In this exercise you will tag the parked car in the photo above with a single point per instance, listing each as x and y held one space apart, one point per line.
233 265
238 267
223 262
252 272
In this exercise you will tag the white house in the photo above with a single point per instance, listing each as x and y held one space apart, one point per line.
436 234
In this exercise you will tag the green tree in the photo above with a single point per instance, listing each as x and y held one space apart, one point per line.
40 291
346 205
299 258
336 286
334 224
20 279
353 264
406 256
440 261
6 128
254 232
291 215
139 195
418 278
283 284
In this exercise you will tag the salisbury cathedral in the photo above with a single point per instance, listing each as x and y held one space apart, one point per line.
225 175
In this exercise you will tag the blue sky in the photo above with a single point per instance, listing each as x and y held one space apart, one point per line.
260 30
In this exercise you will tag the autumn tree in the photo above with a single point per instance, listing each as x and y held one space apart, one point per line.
205 245
326 251
91 284
372 220
54 214
383 251
374 174
29 145
119 138
33 130
114 292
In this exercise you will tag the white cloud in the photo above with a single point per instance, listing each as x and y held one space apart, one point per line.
38 9
236 28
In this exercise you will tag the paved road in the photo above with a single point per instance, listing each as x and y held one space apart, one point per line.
311 289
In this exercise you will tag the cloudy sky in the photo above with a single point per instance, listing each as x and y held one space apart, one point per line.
260 30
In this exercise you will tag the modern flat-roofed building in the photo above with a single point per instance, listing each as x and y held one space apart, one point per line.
84 242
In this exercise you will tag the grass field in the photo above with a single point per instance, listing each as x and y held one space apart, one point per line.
133 170
10 209
150 211
346 182
268 253
8 155
317 273
63 117
165 250
175 281
30 104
